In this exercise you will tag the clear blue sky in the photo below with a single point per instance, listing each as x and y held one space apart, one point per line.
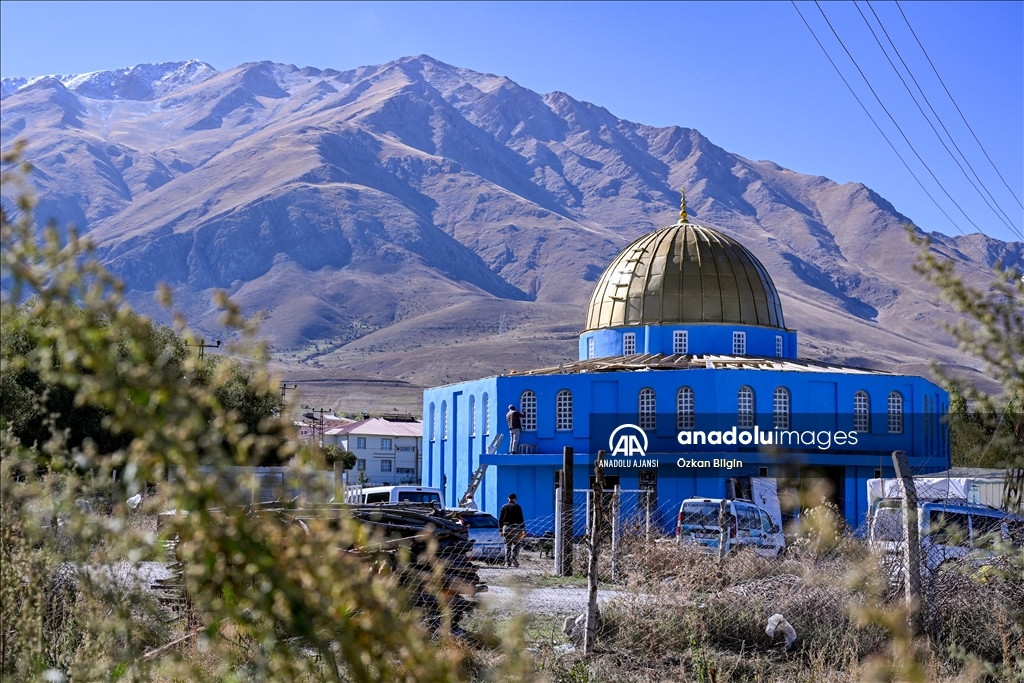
747 75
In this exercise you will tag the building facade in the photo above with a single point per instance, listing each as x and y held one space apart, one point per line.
387 451
686 354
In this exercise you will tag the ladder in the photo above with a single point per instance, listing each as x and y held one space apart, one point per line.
474 484
478 475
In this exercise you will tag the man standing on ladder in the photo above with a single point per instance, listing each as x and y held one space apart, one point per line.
513 528
515 425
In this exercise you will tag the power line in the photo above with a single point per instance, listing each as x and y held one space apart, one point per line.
998 210
882 132
984 151
891 118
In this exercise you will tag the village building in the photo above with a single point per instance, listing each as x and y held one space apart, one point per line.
387 449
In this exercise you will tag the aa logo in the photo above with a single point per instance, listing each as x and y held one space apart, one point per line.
629 441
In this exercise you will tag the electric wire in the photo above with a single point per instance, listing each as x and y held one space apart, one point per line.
984 151
882 132
997 209
893 120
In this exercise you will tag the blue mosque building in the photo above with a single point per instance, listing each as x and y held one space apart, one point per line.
686 354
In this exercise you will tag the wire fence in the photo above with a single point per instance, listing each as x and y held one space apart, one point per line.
734 577
666 575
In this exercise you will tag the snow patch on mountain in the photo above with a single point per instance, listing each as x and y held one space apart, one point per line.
141 82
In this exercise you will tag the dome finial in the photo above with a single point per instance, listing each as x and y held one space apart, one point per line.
682 207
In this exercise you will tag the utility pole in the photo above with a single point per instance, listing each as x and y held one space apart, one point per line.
202 346
285 389
318 421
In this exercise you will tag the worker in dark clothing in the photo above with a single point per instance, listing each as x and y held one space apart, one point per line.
513 528
515 426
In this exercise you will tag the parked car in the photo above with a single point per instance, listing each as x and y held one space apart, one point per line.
394 494
751 526
488 545
949 530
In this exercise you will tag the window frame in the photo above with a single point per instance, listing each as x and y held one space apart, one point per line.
861 411
779 346
782 404
386 444
629 344
472 415
895 406
361 442
590 347
387 465
681 342
746 414
686 404
486 409
563 411
647 409
739 343
528 407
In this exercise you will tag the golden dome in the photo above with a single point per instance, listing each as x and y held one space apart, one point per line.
684 273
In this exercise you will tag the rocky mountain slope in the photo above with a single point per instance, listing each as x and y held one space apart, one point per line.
385 219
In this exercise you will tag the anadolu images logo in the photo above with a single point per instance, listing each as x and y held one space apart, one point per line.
628 443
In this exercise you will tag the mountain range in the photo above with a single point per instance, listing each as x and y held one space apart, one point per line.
413 223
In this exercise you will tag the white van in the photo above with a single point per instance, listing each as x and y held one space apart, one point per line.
751 526
949 530
395 494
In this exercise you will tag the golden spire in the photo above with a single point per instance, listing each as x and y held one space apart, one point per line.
682 207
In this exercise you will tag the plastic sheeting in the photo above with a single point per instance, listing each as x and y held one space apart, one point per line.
928 488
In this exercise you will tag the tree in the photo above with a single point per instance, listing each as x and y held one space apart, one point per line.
993 333
276 598
33 408
334 453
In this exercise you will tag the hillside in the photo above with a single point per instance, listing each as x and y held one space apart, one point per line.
385 219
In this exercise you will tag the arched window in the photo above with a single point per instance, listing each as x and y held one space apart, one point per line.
780 408
745 407
486 415
648 409
895 413
430 424
444 420
684 408
472 415
861 412
563 411
528 407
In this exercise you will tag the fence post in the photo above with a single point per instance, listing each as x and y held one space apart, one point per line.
647 515
339 482
590 635
567 510
616 530
559 531
911 536
724 524
590 513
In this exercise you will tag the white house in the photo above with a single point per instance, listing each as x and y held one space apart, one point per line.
387 449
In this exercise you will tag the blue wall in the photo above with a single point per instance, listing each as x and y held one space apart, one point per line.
819 400
702 339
